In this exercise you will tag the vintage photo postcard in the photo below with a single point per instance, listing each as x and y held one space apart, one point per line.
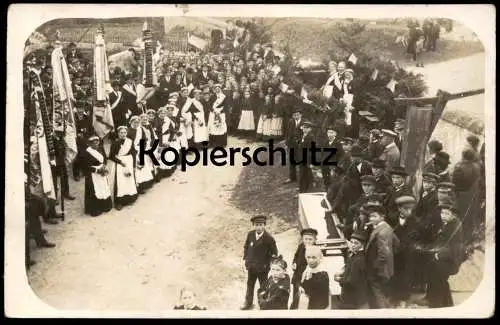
250 161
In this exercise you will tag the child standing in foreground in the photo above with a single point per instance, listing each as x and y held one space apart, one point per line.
315 281
299 262
353 280
188 301
276 292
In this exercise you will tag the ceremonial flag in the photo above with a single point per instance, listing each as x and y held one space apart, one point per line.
283 87
102 119
352 58
63 103
374 74
392 85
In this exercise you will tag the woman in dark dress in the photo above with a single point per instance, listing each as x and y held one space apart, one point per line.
276 292
122 152
315 281
97 190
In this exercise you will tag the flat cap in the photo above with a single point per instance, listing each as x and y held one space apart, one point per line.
259 218
368 179
347 139
446 186
398 170
309 231
378 163
430 176
389 132
448 206
370 208
405 199
296 109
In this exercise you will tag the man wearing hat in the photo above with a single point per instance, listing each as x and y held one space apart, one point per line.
353 281
445 257
433 146
203 76
258 251
118 108
446 193
329 145
382 183
399 188
305 157
338 175
167 84
368 186
129 95
404 260
465 176
347 144
299 263
439 166
292 138
391 154
379 252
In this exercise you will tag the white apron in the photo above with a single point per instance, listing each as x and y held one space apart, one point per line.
125 185
145 173
187 125
247 122
200 129
217 118
101 185
175 144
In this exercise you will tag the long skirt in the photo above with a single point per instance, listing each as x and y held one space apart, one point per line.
144 176
264 127
246 121
125 190
276 127
92 205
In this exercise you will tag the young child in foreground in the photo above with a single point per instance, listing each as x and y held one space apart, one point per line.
353 279
188 301
315 282
300 263
276 292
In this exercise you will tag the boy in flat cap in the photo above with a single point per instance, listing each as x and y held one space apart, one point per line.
406 231
276 292
353 281
331 142
391 154
399 188
300 263
446 255
382 183
379 253
258 251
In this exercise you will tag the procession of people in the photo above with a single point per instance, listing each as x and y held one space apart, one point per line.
399 242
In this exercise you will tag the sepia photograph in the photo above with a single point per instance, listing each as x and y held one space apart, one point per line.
309 160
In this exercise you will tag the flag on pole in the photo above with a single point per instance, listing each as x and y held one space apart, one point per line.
374 74
392 85
353 59
102 119
284 87
63 103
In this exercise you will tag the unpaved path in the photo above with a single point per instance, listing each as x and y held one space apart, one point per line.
182 232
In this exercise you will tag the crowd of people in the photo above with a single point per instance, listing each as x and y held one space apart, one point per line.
398 243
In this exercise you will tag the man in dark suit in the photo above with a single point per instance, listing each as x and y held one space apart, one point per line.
203 76
391 154
129 95
351 188
399 188
404 260
382 183
293 136
380 249
258 251
306 158
83 127
268 54
167 85
331 142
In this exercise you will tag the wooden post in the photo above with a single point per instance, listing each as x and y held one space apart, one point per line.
442 99
416 135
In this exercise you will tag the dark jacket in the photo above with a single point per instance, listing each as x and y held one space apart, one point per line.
119 112
380 250
353 282
275 294
294 134
300 261
258 253
317 288
428 216
465 175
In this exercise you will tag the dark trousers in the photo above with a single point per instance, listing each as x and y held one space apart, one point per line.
292 167
62 173
438 292
295 297
305 178
253 275
327 176
33 224
377 295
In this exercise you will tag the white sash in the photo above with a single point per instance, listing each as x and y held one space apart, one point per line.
129 89
188 124
117 100
101 185
200 126
125 185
